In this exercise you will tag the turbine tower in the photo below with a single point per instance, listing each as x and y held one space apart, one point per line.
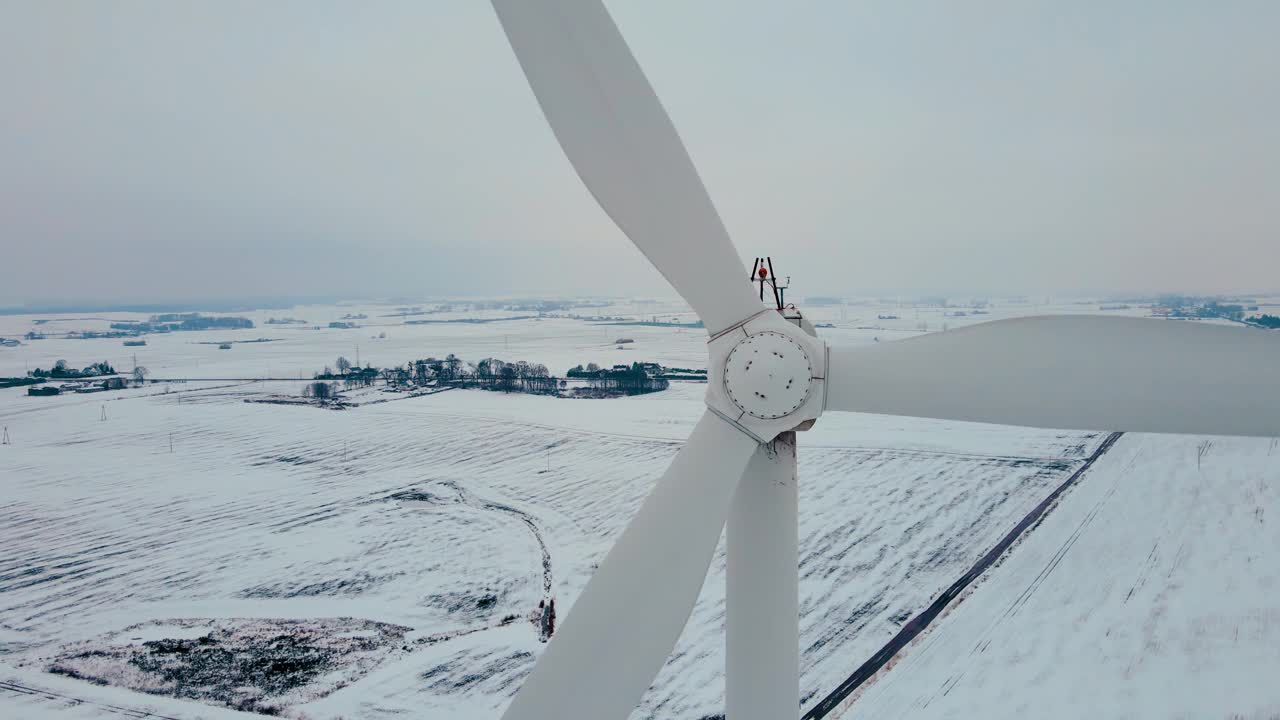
770 375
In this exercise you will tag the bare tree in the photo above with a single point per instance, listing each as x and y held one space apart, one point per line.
507 378
343 365
140 374
321 391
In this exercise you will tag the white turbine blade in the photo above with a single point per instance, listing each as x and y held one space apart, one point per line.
624 625
622 144
762 588
1082 372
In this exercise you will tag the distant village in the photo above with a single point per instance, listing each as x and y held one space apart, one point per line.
1179 307
98 377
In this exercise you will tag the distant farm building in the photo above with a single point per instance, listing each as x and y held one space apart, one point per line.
44 390
623 341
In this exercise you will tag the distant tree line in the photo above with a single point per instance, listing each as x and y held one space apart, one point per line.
536 305
487 374
519 376
177 322
1215 309
1192 307
634 379
95 334
491 374
1270 322
578 371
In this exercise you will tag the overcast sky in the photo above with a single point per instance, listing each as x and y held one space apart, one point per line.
178 150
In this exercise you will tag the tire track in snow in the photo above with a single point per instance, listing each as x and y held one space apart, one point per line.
914 627
47 695
547 606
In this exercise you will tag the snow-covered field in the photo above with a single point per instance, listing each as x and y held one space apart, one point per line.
1150 593
452 514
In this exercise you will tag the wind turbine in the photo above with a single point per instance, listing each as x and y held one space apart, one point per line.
769 376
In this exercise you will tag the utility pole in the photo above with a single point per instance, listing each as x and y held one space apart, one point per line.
104 414
6 436
171 443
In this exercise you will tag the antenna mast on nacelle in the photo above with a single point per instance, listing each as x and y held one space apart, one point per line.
762 274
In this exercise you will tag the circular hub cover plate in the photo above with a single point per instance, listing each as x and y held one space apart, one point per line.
768 375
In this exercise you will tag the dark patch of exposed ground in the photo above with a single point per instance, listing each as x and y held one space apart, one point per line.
252 665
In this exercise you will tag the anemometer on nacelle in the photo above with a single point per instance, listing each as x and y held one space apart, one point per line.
762 274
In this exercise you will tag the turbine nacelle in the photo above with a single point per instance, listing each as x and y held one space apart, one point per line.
767 375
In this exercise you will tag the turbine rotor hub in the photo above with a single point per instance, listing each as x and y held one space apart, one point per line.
768 375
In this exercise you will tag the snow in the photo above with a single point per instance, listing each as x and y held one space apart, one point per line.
160 631
1150 592
436 513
